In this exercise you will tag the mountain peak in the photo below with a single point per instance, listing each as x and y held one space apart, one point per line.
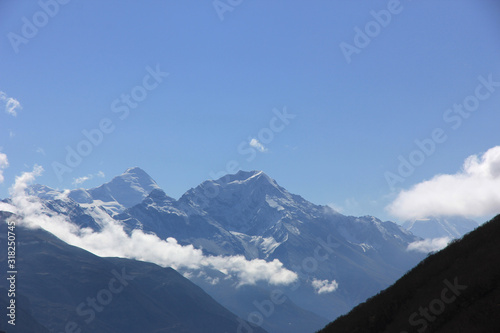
128 189
123 191
136 171
136 176
244 177
249 202
248 174
42 191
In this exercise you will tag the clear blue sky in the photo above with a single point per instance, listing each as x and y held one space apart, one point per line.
352 120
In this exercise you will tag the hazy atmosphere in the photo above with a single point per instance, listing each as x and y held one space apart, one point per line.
192 91
249 166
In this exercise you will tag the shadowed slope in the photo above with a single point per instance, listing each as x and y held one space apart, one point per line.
454 290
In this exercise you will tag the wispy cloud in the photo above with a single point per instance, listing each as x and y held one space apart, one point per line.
429 245
336 207
12 105
324 286
40 150
80 180
472 192
4 163
113 241
257 145
349 206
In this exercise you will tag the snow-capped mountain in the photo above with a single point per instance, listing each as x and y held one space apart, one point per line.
166 217
441 226
249 202
113 197
122 192
340 260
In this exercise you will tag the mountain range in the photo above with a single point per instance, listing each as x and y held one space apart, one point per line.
340 260
63 288
452 227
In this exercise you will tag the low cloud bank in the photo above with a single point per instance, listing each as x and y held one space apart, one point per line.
429 245
113 241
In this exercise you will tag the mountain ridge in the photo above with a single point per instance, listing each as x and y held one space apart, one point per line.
249 214
440 226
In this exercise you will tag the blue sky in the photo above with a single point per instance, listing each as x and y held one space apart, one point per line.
230 72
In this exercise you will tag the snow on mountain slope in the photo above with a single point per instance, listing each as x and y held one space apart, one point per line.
128 189
122 192
249 202
444 226
165 217
249 214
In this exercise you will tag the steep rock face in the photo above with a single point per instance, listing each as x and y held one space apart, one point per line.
249 214
165 217
249 202
360 254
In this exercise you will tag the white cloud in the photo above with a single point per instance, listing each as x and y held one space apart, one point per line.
429 245
113 241
257 145
81 180
40 150
5 207
336 208
324 286
12 105
350 206
472 192
4 163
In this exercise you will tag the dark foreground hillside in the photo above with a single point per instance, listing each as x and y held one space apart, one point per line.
62 288
24 321
454 290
